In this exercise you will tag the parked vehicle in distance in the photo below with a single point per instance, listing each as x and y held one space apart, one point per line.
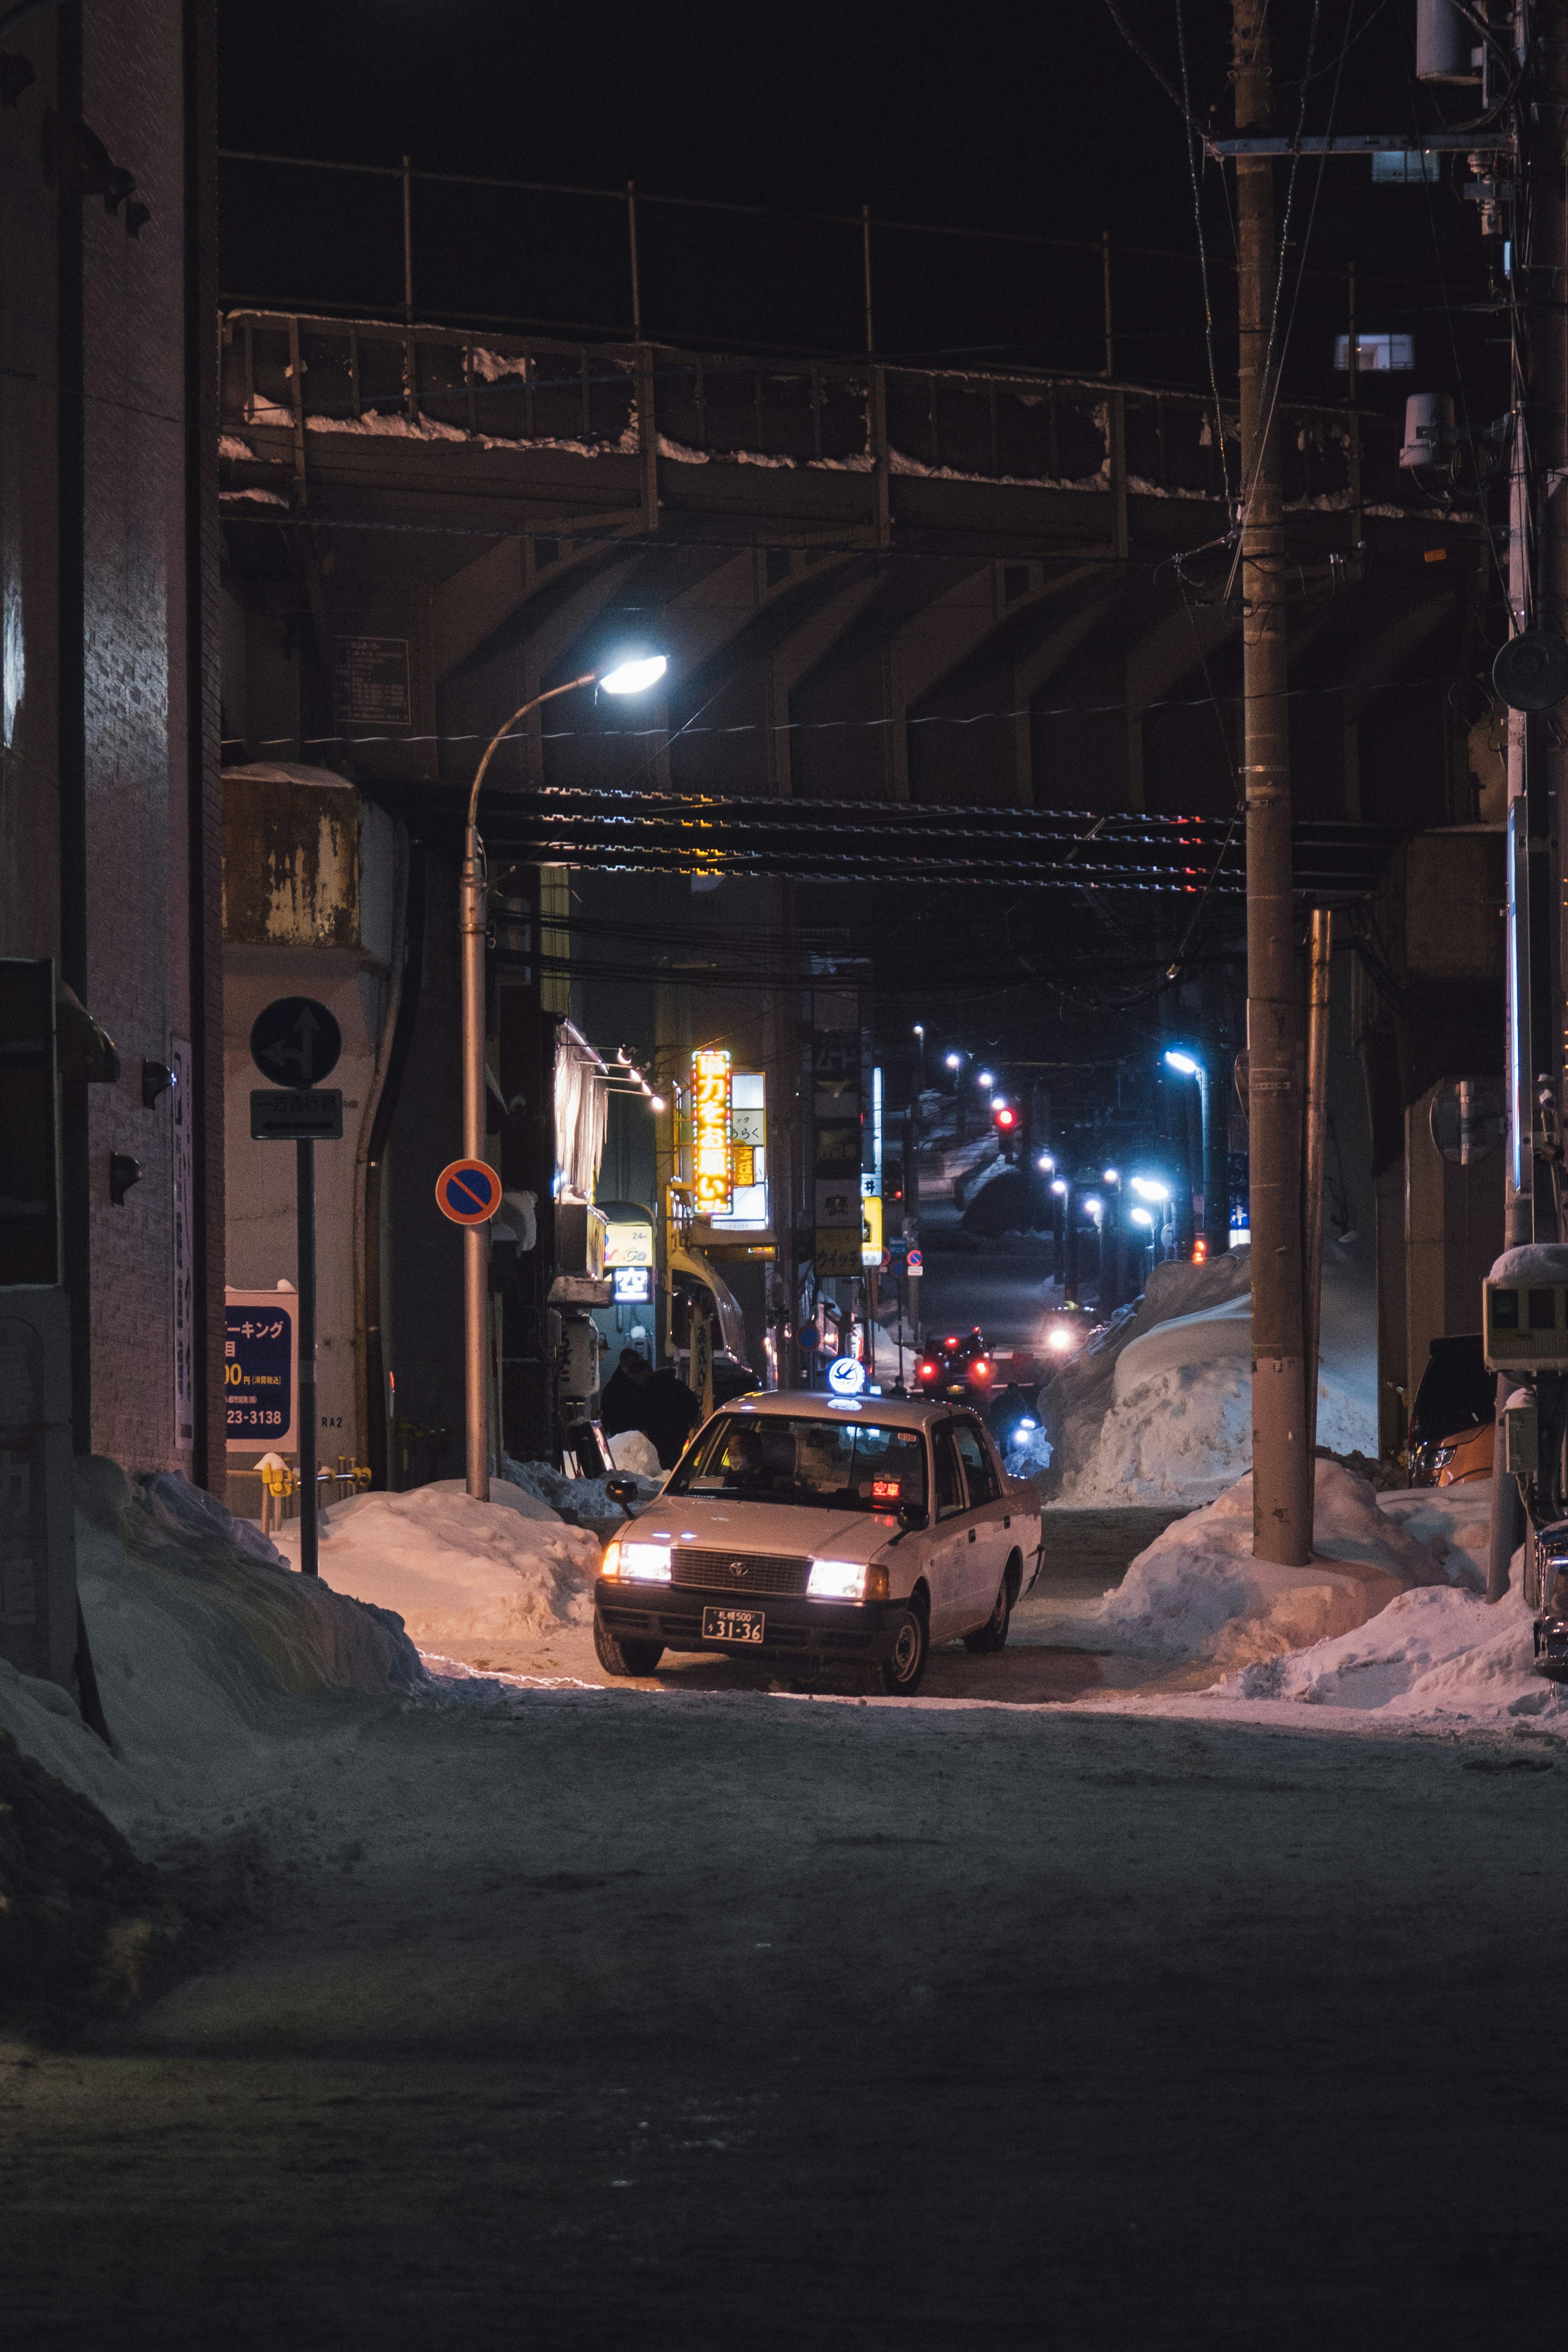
1449 1439
959 1366
800 1527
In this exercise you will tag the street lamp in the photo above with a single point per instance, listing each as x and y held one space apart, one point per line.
1212 1170
953 1061
984 1078
632 675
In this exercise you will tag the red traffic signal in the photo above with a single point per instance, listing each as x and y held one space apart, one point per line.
1005 1116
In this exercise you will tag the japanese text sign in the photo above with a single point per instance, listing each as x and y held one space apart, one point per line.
710 1172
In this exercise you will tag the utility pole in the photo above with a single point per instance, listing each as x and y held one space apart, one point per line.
1281 1458
1538 601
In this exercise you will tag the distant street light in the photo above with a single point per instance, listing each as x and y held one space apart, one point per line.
954 1061
984 1078
1142 1217
1045 1163
1059 1189
633 674
1211 1178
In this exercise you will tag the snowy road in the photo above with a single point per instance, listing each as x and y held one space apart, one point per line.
706 2021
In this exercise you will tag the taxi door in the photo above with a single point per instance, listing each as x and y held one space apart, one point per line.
950 1547
989 1541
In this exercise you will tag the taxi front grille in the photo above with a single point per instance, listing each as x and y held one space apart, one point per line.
735 1572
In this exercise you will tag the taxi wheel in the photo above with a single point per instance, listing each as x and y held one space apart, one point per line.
993 1635
901 1675
625 1658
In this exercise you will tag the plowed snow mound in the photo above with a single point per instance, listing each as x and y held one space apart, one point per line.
458 1570
1441 1653
1197 1592
206 1650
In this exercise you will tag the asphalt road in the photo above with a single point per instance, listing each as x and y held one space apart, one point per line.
700 2020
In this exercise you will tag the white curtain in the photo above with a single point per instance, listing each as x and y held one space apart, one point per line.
582 1099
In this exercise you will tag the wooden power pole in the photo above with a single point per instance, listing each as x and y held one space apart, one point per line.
1281 1455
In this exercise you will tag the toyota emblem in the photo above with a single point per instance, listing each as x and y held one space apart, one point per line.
738 1568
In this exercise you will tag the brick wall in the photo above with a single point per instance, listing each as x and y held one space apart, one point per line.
110 807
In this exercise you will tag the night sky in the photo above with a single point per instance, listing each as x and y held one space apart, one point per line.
1035 121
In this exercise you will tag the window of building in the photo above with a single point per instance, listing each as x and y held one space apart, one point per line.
1376 354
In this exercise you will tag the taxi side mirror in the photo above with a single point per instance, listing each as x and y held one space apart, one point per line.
912 1516
623 1491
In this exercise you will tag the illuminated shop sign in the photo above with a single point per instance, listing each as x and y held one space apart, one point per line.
710 1135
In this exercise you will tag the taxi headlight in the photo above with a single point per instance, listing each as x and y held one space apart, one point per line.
642 1563
845 1580
1059 1337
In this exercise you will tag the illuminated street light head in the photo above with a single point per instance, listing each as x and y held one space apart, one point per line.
1147 1190
1184 1063
953 1060
635 674
920 1029
1045 1163
1109 1176
1059 1189
1094 1206
1142 1217
984 1078
657 1102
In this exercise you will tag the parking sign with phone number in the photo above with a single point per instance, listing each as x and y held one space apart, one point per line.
259 1373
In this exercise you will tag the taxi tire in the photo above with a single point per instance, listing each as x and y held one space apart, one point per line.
901 1675
620 1658
993 1635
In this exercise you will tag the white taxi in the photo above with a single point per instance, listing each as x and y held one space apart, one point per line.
818 1527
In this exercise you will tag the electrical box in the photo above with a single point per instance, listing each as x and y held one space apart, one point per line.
1526 1326
1522 1439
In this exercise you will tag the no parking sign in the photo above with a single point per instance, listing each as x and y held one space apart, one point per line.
468 1192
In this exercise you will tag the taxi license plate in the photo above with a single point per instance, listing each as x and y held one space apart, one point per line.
733 1624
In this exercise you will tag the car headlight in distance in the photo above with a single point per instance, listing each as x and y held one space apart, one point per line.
641 1563
1059 1337
847 1580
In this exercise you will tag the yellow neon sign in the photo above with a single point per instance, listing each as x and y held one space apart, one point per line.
710 1131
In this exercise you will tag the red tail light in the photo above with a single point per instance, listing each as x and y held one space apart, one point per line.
926 1372
982 1368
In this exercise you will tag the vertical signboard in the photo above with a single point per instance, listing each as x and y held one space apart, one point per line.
184 1170
260 1370
835 1108
712 1182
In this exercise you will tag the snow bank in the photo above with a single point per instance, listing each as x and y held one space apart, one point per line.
202 1646
456 1571
578 1500
1160 1408
1440 1653
1198 1593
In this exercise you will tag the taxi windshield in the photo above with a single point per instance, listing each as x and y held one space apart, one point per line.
842 1465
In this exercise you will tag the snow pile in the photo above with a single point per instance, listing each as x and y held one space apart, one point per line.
458 1570
1442 1652
1076 1404
204 1648
635 1456
1197 1592
1160 1410
580 1501
1434 1653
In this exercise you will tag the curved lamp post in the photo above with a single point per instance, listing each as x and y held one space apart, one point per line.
633 676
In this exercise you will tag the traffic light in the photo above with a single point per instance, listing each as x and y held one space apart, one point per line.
1005 1119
